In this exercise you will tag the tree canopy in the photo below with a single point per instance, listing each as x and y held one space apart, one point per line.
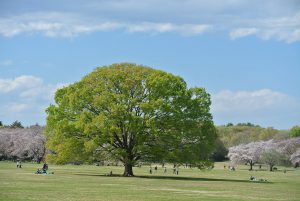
129 113
295 131
16 124
243 133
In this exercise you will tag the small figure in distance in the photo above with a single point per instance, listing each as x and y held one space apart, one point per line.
150 171
45 167
38 171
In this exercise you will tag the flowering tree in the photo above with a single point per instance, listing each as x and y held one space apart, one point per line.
272 157
295 158
288 146
248 153
4 144
23 143
268 152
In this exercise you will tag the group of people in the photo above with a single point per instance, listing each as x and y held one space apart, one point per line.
252 178
175 170
43 170
231 168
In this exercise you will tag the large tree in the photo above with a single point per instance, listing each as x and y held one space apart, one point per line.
132 113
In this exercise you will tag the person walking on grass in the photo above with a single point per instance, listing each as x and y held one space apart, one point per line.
19 164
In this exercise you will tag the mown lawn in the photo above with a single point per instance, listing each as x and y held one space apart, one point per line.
86 182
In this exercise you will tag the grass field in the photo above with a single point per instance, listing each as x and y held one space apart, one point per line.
86 182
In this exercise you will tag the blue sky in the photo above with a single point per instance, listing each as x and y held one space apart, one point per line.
245 53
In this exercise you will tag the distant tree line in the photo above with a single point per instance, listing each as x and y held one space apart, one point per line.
231 135
234 142
15 124
243 133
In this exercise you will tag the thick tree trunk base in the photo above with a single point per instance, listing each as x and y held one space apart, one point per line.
128 171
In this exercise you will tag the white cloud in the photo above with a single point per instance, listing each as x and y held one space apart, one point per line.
244 101
270 19
184 29
29 87
71 25
285 28
26 97
22 82
51 24
242 32
265 105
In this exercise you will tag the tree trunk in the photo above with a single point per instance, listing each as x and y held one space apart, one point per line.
128 170
251 164
271 168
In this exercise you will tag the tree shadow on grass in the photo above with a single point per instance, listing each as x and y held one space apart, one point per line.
199 179
178 178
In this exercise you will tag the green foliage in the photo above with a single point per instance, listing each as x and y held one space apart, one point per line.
16 124
128 113
220 152
1 124
247 124
295 131
229 124
243 133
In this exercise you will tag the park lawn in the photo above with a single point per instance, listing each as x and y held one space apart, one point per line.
87 182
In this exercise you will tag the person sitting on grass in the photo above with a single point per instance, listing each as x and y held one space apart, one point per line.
45 168
39 171
252 178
